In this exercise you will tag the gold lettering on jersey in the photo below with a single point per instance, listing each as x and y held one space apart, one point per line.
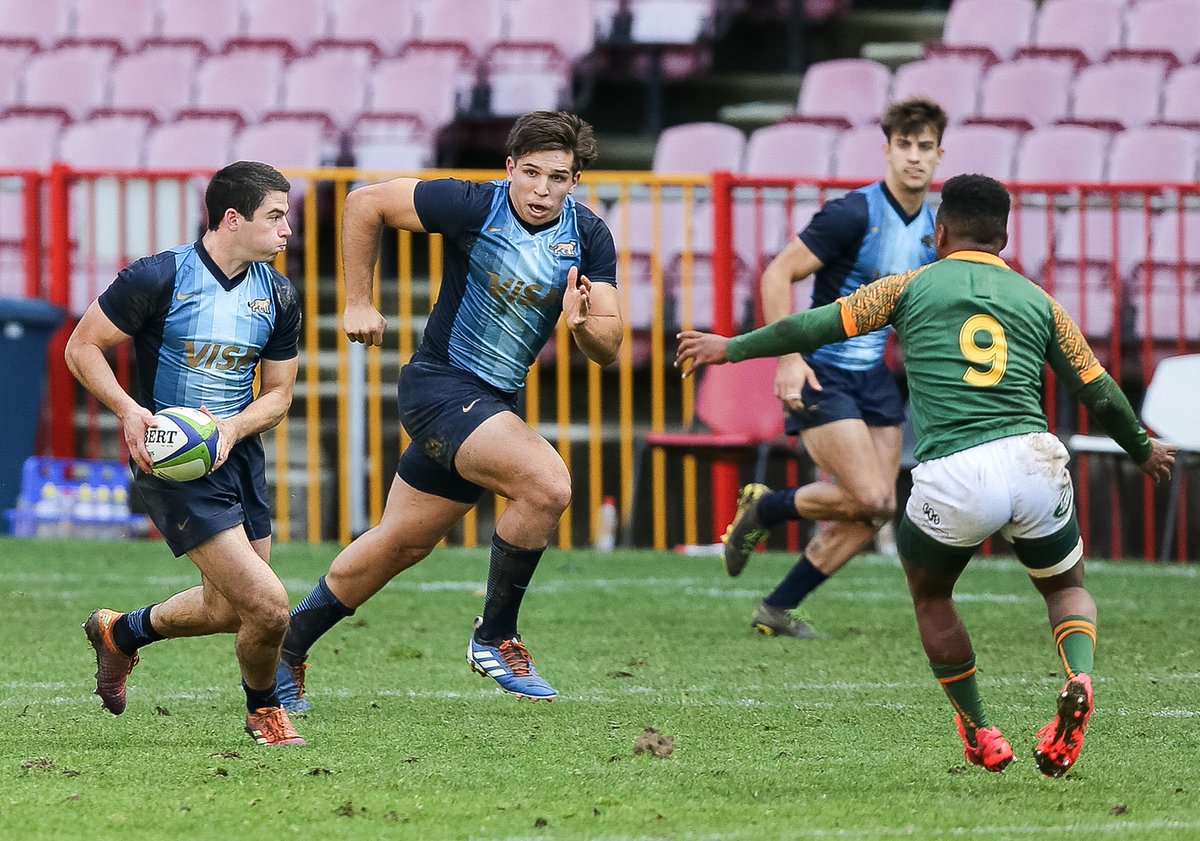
516 291
218 357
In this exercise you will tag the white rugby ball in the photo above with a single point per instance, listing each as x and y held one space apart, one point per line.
183 446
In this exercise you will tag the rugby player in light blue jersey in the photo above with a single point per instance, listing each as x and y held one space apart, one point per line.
842 400
203 318
520 253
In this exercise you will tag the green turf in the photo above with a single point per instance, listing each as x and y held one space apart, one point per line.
849 737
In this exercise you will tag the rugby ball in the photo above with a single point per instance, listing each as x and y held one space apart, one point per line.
183 446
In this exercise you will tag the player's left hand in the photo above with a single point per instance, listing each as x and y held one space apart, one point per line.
1162 459
227 438
577 300
700 349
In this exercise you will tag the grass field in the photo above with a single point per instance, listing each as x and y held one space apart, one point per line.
849 737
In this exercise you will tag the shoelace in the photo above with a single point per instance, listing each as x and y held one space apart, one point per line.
298 676
516 657
276 726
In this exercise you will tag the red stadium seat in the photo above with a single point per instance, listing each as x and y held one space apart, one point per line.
1024 93
987 150
1117 95
124 24
73 79
950 81
1082 31
385 27
989 30
1162 30
843 93
211 24
1181 98
157 80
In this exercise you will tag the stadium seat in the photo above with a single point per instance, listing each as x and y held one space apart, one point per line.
29 141
460 22
514 92
670 21
1116 95
294 28
307 85
1091 269
242 82
987 150
284 144
395 143
114 142
989 30
157 80
34 25
1058 154
843 93
562 31
1024 93
13 58
950 81
794 150
1157 154
859 155
434 101
211 24
383 27
1082 31
699 147
1181 98
190 143
1162 30
123 24
72 79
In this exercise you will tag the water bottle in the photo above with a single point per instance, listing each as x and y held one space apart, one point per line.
83 515
606 525
46 511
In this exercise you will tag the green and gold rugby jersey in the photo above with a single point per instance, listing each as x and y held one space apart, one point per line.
976 336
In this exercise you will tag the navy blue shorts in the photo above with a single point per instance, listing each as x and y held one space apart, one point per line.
871 396
440 406
189 513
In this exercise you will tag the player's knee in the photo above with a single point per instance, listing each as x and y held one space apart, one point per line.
876 507
268 612
552 494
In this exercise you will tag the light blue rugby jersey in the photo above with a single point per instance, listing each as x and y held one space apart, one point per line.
859 238
503 280
198 334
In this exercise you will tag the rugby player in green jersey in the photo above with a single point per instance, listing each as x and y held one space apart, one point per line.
976 336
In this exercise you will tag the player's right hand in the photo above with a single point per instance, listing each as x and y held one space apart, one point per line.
1162 459
133 426
363 323
791 376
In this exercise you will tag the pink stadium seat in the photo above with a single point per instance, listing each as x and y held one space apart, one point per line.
514 92
13 58
562 27
29 142
1181 97
1057 154
1153 155
386 27
36 25
1171 281
72 79
190 143
699 147
859 155
212 24
1164 30
991 30
461 22
104 143
157 80
293 28
951 81
1025 93
243 82
331 82
1091 266
1029 239
124 24
284 144
844 92
670 21
987 150
434 100
792 150
1082 31
391 144
1117 95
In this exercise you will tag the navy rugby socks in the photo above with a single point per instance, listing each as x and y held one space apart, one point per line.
319 612
796 585
259 699
777 507
133 630
509 573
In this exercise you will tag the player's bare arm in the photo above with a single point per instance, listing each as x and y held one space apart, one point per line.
793 264
367 210
94 335
277 383
593 314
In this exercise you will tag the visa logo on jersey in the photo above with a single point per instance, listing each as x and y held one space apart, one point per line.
520 292
218 357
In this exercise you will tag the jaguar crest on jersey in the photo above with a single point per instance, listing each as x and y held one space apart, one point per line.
261 305
564 249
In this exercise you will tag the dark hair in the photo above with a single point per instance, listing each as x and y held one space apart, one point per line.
975 208
553 131
911 116
242 186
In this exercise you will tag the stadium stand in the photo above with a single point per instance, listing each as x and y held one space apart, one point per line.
859 155
986 30
263 26
1117 95
1181 98
191 143
843 93
382 27
71 79
37 26
1162 30
984 149
245 83
791 149
156 80
123 24
1024 93
307 91
460 24
211 24
1082 31
13 58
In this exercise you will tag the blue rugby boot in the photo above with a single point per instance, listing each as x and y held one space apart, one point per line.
510 665
289 683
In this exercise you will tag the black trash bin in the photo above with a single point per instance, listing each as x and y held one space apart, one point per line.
25 329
